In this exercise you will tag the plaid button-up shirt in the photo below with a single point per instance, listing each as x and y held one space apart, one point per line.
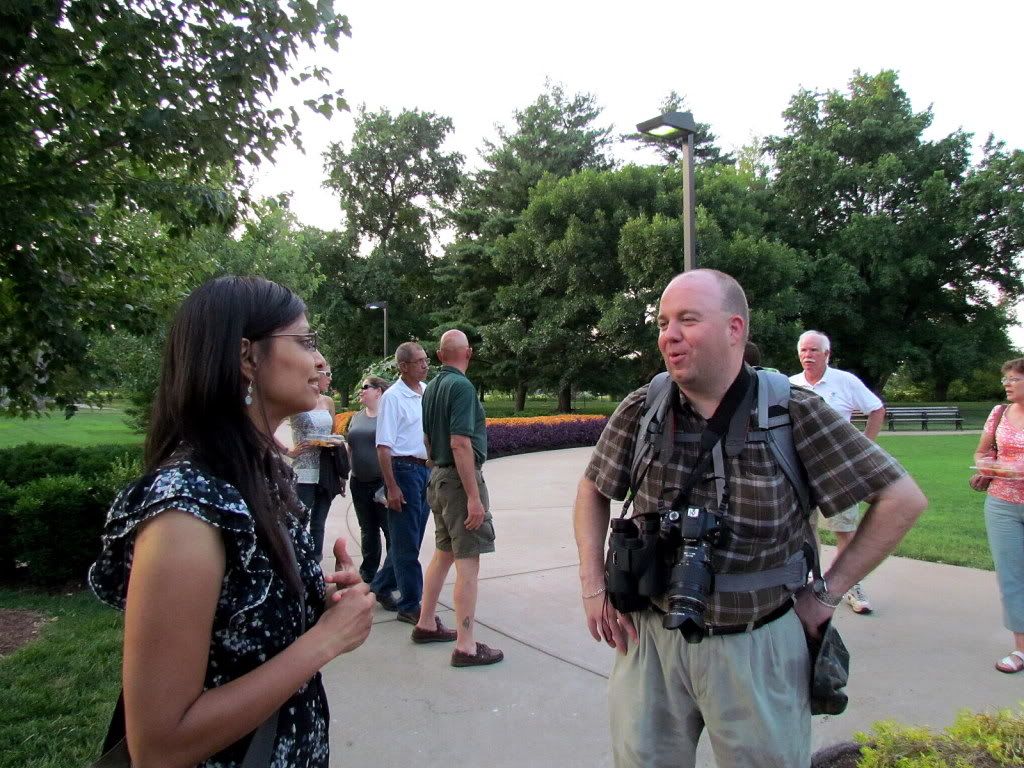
764 523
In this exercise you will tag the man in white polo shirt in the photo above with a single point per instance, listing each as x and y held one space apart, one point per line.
846 394
403 466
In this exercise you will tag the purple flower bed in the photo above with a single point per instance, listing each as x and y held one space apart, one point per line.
508 440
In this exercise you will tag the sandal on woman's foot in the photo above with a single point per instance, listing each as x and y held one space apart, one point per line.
1014 662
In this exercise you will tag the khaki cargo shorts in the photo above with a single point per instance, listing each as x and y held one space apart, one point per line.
447 499
841 522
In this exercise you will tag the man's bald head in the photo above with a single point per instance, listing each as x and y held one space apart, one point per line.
733 298
453 348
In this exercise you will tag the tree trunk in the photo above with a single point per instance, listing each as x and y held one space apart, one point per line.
942 390
521 397
343 394
565 398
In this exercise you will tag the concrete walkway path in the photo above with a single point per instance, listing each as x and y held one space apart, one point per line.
926 652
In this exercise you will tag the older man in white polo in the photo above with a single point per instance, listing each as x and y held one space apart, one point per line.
846 394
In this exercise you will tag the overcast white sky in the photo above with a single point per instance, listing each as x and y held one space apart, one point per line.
737 62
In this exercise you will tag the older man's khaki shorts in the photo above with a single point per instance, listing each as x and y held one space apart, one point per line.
447 499
841 522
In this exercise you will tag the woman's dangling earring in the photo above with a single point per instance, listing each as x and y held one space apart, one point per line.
248 394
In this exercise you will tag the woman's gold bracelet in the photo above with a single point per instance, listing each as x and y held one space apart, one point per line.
594 594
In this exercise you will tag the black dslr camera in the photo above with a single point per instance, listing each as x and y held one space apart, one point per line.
694 532
665 553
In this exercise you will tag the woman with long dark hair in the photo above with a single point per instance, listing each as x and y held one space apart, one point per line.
228 616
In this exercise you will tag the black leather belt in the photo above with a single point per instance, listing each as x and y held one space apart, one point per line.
410 460
736 629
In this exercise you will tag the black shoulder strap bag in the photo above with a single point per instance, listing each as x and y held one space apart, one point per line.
115 745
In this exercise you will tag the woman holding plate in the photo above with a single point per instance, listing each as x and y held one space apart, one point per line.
1000 461
311 432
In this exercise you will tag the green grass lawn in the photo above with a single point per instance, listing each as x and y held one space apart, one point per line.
107 425
952 529
57 693
87 427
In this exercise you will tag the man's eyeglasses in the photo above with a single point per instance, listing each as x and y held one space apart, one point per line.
326 374
1010 380
307 340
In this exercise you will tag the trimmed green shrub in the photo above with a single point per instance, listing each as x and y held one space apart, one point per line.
8 497
32 461
98 460
53 501
57 525
25 463
975 740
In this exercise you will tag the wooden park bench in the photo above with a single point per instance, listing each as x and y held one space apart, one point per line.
919 414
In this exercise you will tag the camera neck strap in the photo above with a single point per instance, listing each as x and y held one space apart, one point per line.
726 428
729 418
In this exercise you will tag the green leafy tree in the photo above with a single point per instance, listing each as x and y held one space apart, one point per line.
396 183
907 240
670 148
583 272
134 106
556 135
270 242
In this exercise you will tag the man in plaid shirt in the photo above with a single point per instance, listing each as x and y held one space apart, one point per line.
748 681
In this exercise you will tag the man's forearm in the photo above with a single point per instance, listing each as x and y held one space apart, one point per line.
590 523
465 465
885 523
386 470
875 420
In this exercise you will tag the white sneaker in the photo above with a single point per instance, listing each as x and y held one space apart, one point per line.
857 599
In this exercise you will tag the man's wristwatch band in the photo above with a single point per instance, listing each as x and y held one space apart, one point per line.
820 591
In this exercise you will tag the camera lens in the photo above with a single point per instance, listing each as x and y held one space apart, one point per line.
691 582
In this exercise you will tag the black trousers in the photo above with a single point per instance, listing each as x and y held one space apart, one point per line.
373 520
315 498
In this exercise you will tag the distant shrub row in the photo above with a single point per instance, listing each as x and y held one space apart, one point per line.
54 498
507 437
53 502
510 436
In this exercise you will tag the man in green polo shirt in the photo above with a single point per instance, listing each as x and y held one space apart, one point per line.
456 437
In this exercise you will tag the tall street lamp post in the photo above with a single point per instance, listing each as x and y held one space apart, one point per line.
673 124
382 305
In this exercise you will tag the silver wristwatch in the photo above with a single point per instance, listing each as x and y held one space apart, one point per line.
820 591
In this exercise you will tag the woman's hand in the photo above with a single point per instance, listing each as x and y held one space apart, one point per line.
348 614
347 618
345 572
980 482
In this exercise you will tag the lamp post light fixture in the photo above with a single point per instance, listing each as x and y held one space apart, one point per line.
672 124
382 305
